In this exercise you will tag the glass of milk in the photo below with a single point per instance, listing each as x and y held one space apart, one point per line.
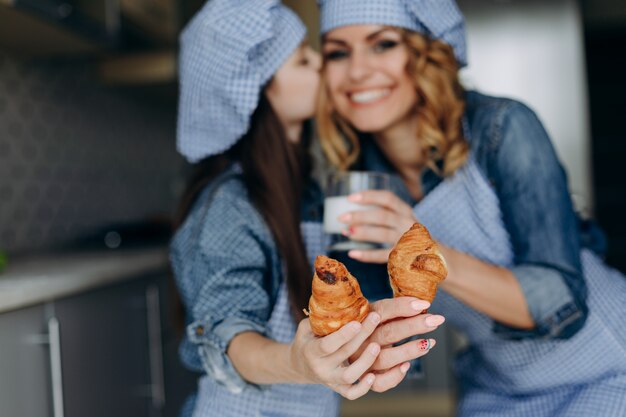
339 187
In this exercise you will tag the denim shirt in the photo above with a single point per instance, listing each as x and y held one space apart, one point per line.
515 154
228 271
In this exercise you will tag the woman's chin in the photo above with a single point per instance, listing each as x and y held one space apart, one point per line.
369 126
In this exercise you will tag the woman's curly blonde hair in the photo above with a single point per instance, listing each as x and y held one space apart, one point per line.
439 110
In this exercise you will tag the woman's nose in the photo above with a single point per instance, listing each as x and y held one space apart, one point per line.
359 66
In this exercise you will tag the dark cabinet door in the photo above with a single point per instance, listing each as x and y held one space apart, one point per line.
179 382
105 352
25 366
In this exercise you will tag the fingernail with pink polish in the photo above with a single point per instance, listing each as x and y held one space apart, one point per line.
434 320
420 305
405 367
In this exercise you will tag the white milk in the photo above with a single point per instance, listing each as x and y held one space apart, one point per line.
334 207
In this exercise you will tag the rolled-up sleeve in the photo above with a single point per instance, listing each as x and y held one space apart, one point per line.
223 271
538 214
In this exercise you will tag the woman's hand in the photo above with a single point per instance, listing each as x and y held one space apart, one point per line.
400 319
350 361
324 360
383 224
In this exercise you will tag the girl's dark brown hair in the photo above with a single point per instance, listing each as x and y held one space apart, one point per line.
275 172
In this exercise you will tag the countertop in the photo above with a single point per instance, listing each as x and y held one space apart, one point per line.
33 280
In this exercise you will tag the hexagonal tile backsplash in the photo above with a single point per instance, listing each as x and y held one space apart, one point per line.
75 155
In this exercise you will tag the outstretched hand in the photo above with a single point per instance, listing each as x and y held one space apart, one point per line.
324 360
400 319
360 357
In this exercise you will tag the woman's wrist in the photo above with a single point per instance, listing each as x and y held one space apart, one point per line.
449 255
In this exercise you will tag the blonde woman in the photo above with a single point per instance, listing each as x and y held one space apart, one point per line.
543 315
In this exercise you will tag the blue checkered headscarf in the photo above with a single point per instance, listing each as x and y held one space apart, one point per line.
438 19
228 52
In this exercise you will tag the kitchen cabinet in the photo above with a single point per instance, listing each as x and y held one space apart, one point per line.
36 28
25 377
109 351
106 347
158 18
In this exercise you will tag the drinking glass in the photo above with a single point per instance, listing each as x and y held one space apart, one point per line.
340 186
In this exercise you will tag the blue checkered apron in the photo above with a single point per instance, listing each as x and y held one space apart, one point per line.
280 400
582 376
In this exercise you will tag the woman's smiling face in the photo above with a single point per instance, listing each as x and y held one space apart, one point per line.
366 76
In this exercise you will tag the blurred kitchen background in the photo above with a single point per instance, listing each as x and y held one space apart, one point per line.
89 179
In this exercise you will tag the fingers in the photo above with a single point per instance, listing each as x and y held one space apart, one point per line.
382 198
348 338
350 347
374 256
392 308
378 234
373 216
392 356
359 367
331 343
390 379
399 329
352 392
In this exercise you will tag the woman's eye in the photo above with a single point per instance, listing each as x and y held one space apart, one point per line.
384 45
335 55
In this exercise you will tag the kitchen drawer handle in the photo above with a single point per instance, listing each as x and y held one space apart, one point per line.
54 334
157 388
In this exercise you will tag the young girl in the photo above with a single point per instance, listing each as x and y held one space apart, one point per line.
241 256
543 316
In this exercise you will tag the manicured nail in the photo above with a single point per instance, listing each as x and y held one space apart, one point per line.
374 349
405 367
355 254
420 305
369 379
434 320
355 197
345 218
427 344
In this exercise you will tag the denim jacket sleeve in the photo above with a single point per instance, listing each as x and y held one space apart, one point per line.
222 261
537 209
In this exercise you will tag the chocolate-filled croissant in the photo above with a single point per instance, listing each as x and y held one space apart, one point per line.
336 297
415 265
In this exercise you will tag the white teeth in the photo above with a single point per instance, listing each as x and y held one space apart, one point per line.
370 95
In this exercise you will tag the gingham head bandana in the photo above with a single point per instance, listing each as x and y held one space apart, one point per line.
228 52
439 19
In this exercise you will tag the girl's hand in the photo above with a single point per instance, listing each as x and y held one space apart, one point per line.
383 224
400 319
324 360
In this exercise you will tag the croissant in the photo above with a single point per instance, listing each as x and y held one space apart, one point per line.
415 265
336 297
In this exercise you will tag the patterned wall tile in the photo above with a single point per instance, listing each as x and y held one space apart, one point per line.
75 155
